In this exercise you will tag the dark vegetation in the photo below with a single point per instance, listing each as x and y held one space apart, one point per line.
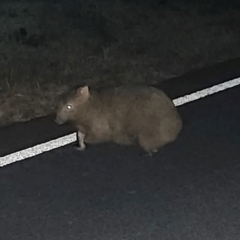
46 47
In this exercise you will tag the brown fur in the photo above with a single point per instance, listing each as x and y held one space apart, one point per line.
125 115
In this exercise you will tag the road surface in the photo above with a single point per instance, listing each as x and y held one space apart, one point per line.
190 190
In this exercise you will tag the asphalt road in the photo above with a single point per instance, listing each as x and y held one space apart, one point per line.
188 190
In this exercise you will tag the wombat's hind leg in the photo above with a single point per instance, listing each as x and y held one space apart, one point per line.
82 145
147 143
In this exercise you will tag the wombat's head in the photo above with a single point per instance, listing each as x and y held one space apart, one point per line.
71 105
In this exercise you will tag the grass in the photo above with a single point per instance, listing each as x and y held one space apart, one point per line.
46 48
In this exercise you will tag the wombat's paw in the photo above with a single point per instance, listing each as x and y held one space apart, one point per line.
151 153
155 150
80 148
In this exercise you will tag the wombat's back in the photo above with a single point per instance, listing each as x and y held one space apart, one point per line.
135 111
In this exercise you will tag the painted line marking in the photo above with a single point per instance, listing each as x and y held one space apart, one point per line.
206 92
62 141
38 149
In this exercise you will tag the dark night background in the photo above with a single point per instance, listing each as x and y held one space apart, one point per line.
48 46
189 190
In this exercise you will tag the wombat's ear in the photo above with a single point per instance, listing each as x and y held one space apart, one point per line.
83 92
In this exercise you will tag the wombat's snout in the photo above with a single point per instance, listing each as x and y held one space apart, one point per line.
59 120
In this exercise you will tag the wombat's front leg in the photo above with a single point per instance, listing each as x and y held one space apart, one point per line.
82 145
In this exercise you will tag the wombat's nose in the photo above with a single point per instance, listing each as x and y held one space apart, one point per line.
58 121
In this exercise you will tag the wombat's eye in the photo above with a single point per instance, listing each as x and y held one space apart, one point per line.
69 106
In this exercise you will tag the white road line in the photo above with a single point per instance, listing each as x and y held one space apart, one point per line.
62 141
38 149
206 92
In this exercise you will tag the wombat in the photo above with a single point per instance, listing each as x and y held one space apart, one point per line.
125 115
